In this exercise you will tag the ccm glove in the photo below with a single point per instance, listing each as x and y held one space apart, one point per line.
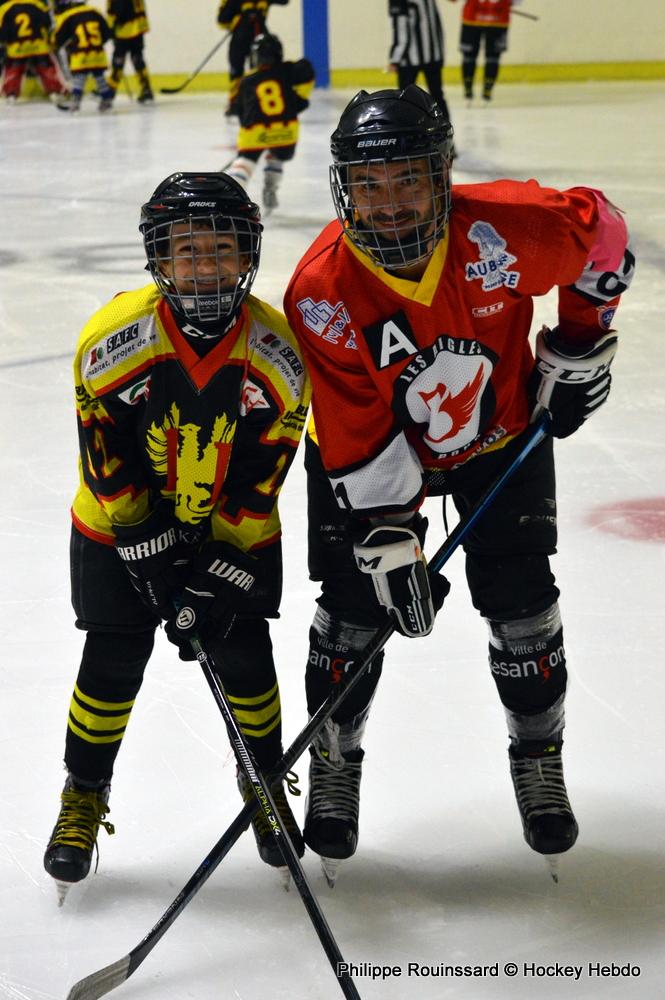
393 556
221 585
572 384
155 556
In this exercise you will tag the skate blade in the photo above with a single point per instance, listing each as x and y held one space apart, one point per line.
552 862
330 869
62 888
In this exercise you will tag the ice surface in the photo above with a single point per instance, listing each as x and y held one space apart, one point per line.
442 874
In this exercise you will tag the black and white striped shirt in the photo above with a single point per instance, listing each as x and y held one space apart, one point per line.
417 32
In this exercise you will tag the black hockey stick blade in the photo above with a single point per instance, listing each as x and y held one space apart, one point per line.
100 983
176 90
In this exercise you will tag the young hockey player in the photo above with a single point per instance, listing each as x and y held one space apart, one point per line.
191 399
128 19
83 31
25 27
413 311
245 19
268 103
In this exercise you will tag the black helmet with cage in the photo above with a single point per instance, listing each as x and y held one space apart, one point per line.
189 204
402 127
266 50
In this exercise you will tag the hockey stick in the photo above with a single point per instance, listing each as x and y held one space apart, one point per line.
264 798
523 13
100 983
176 90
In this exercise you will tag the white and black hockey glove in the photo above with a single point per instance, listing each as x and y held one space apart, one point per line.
393 556
569 384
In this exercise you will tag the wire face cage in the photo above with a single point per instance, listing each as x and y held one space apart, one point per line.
204 265
395 211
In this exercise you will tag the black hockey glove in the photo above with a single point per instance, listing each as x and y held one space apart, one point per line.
221 584
393 555
156 553
572 384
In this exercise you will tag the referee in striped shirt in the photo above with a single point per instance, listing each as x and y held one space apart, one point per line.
417 46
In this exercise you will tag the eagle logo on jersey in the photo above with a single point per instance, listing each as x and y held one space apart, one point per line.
447 388
494 261
180 449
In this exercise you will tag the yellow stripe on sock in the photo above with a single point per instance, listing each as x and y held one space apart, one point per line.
254 701
97 723
266 729
109 706
254 717
89 738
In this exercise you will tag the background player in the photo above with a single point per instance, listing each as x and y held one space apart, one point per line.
414 310
128 20
191 399
484 22
83 31
25 27
245 19
268 103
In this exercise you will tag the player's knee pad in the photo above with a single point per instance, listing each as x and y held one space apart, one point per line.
336 650
528 661
113 663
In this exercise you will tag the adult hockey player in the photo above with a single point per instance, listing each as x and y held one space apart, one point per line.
413 311
268 103
484 23
128 20
191 398
246 20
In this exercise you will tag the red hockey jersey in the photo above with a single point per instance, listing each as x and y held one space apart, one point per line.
416 376
487 13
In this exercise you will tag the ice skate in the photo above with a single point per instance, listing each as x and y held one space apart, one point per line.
69 853
549 825
269 196
146 97
333 803
268 849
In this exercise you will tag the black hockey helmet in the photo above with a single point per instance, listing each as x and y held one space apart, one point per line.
266 51
391 126
202 201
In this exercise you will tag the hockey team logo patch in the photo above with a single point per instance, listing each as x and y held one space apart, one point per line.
447 388
253 398
492 268
327 321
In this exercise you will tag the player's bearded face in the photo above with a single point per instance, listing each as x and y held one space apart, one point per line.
394 198
201 260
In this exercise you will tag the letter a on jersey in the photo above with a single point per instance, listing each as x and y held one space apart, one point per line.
390 340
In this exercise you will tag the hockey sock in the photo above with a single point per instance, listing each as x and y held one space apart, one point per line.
528 661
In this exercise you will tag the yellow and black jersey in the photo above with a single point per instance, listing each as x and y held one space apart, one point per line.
216 435
84 31
24 28
268 104
232 11
127 18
